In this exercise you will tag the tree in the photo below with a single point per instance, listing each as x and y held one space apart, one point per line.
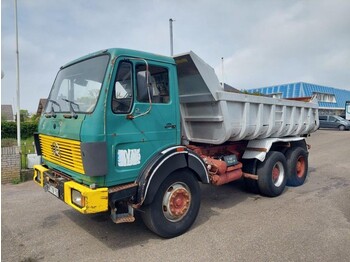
24 115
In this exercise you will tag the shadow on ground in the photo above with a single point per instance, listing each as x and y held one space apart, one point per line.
117 236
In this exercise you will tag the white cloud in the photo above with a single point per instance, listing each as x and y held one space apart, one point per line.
263 42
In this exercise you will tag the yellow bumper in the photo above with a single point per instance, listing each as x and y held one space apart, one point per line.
93 200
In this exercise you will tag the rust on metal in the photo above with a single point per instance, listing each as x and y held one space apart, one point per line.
227 177
301 167
179 202
219 172
251 176
232 173
258 149
122 187
124 219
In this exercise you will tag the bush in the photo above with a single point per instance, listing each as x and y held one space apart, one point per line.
28 129
9 129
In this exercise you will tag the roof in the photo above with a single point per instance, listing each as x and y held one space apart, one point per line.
7 113
301 89
41 106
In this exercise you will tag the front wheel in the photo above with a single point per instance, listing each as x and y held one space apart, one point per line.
341 128
175 206
272 174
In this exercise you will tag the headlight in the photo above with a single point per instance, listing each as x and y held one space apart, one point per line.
77 198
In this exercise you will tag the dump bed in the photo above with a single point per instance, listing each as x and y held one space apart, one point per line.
211 115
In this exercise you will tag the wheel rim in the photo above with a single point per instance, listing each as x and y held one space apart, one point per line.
176 202
300 167
278 174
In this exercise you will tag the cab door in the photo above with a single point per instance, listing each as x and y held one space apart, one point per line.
142 116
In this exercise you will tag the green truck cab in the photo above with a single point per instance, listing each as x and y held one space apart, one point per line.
110 127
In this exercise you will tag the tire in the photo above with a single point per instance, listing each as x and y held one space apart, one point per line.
341 128
175 206
272 175
297 166
249 166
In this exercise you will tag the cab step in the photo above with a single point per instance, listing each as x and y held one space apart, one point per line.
124 218
119 218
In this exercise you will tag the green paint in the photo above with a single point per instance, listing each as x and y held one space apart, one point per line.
131 143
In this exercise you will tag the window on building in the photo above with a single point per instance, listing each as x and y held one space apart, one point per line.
277 95
323 97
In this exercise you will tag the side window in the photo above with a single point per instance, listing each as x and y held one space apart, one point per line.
323 118
158 84
123 91
332 119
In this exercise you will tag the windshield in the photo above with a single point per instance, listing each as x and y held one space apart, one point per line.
77 87
339 118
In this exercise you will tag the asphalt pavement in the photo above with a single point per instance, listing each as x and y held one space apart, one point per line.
307 223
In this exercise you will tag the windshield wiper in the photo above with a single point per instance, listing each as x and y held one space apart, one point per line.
52 112
72 111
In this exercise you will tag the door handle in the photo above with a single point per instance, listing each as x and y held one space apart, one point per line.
169 126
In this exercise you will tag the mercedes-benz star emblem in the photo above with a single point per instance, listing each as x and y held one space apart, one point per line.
55 149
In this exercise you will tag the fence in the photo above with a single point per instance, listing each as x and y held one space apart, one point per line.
16 166
10 164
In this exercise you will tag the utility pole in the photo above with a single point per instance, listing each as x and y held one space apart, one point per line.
171 36
17 89
222 71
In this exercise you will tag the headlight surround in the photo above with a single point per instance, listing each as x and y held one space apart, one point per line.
77 198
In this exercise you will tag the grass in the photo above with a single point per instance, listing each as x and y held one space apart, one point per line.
27 145
16 181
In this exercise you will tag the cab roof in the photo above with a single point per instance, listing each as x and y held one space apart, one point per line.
116 52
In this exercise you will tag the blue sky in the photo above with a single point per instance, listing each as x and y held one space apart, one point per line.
263 42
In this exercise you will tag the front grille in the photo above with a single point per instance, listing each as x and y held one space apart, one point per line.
63 152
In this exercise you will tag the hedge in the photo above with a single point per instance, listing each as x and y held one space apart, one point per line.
9 129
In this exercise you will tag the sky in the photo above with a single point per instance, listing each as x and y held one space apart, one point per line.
263 42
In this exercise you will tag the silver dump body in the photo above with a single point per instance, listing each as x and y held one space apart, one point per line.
213 116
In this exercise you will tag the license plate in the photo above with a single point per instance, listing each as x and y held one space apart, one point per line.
53 190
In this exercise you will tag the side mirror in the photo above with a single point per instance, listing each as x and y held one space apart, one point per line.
144 92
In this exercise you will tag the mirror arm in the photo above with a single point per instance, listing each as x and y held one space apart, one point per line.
131 116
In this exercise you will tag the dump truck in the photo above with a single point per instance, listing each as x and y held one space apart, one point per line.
126 131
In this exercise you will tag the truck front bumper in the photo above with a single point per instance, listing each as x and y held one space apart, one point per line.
82 198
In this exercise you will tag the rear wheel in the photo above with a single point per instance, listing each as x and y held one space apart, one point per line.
297 166
341 128
175 206
272 174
